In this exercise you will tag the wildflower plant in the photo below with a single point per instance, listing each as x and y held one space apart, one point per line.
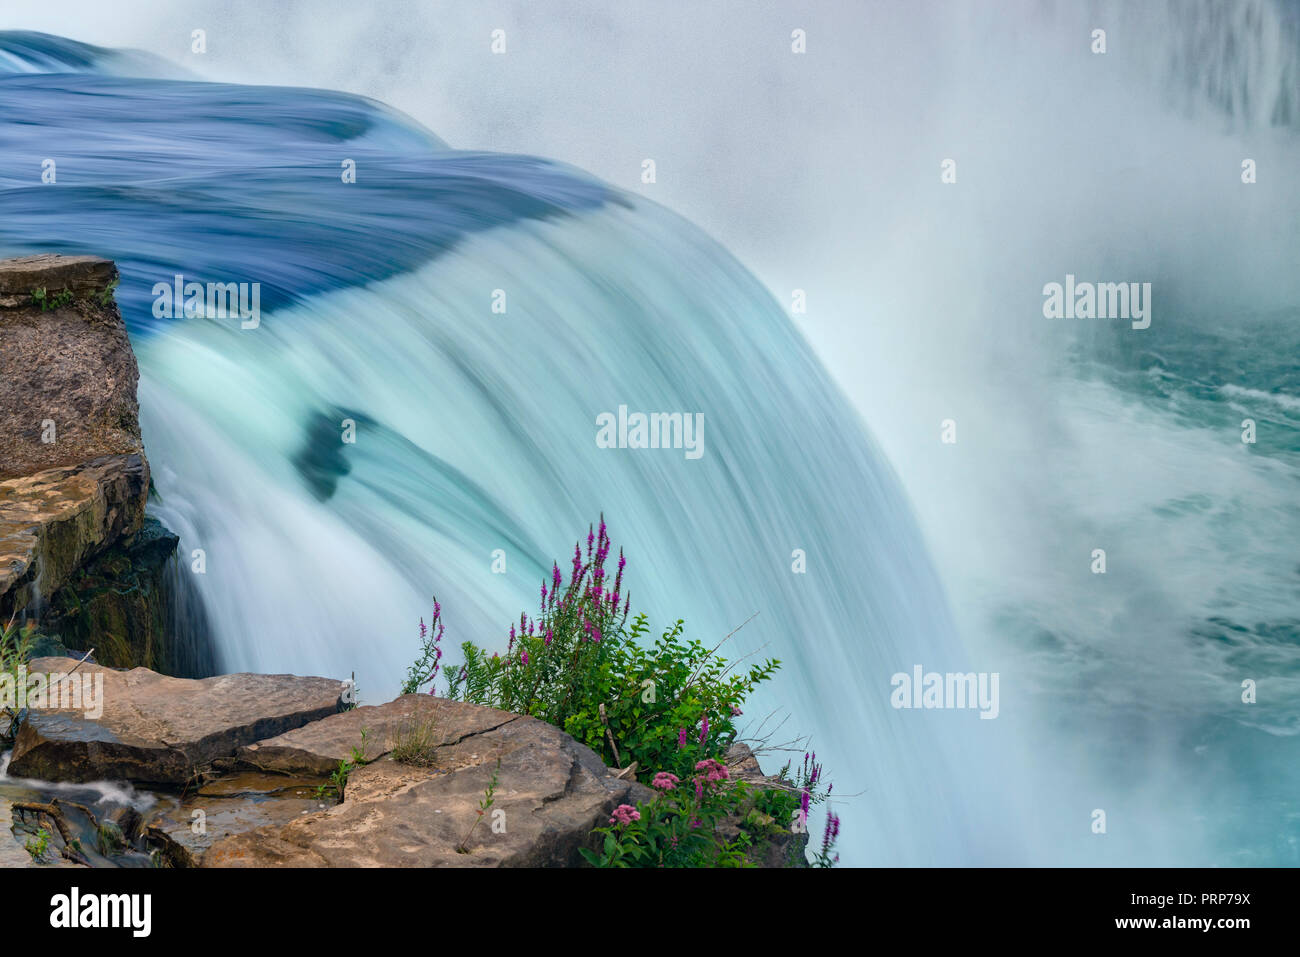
425 669
685 825
669 707
825 855
580 666
553 661
484 806
339 777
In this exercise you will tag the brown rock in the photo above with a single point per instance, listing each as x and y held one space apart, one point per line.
781 846
83 276
550 792
160 730
53 521
318 748
70 365
73 478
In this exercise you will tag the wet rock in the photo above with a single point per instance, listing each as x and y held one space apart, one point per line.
84 277
54 521
194 821
73 477
160 730
134 604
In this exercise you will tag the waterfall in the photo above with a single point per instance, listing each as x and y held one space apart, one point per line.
476 430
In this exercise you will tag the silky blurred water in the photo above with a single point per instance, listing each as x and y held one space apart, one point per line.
477 430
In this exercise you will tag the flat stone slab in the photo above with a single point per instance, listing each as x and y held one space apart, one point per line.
316 749
83 276
551 791
160 730
232 807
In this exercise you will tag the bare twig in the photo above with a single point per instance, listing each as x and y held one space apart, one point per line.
84 659
609 735
712 651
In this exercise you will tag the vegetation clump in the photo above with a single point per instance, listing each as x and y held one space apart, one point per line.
16 642
48 303
416 743
664 709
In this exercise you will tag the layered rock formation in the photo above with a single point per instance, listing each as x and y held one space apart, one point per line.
278 775
155 729
550 791
54 521
74 480
256 755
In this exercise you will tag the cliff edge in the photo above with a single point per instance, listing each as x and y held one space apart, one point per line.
74 480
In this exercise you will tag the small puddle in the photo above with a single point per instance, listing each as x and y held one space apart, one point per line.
153 825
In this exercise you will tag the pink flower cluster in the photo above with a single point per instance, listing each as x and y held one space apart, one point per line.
711 771
437 638
598 603
625 814
665 781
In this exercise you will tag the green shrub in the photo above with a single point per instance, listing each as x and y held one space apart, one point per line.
48 303
683 826
39 846
669 707
15 646
109 838
580 667
665 707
